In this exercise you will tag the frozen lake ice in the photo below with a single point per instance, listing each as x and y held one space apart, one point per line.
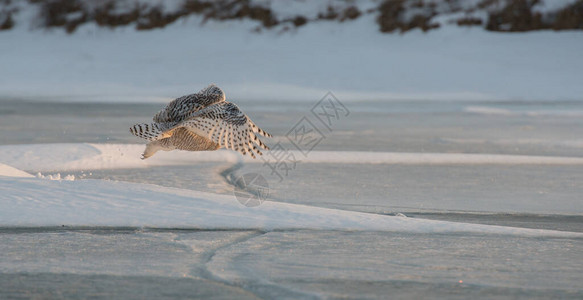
136 262
133 263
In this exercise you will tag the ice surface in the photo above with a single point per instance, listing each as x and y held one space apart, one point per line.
112 263
389 189
404 265
118 262
502 172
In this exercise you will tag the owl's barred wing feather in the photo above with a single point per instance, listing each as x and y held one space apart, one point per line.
151 131
258 130
223 123
181 139
200 122
184 139
184 107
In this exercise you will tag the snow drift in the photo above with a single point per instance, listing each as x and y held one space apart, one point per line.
33 202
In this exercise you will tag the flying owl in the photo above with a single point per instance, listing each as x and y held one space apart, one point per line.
200 122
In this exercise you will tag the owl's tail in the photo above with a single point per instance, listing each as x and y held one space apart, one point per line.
150 132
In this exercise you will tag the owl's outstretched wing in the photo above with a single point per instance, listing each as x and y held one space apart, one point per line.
181 139
184 107
226 125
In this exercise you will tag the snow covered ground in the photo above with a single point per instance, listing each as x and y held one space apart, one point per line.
38 202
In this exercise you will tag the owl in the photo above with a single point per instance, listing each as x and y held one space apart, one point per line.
201 122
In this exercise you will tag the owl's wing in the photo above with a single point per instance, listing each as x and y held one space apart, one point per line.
182 108
184 139
224 124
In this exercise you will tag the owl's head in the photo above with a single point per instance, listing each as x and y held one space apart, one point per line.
213 92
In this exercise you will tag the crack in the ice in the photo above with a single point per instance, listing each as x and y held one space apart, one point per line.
203 271
208 255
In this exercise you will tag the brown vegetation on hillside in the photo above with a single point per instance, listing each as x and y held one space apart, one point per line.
391 15
519 15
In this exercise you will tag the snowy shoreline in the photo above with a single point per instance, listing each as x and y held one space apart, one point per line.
391 15
351 59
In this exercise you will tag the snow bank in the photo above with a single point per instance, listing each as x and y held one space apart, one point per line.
433 158
12 172
487 110
79 157
37 202
56 200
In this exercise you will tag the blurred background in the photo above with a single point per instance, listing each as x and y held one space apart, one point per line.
150 50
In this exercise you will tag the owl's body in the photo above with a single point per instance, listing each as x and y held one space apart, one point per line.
201 122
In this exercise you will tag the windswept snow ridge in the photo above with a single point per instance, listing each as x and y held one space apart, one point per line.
79 157
12 172
37 202
40 202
